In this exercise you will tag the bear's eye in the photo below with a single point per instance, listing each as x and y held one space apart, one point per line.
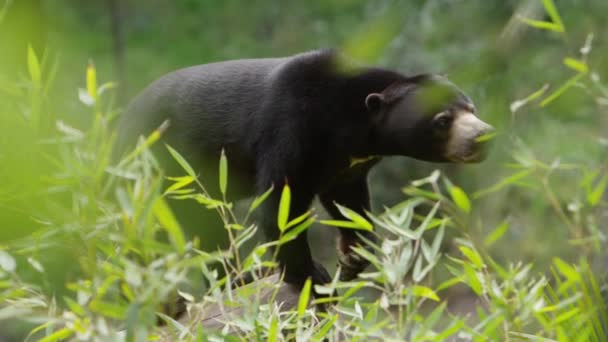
442 120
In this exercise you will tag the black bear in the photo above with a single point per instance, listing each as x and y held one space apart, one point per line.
302 119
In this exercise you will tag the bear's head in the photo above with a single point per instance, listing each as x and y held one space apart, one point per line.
427 117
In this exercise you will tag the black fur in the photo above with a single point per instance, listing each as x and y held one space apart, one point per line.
299 119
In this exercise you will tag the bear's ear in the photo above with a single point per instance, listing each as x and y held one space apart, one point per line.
374 101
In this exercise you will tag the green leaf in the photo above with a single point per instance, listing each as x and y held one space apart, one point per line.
554 14
180 182
92 81
460 198
496 234
209 203
297 230
449 283
545 25
342 224
594 197
274 329
513 179
438 239
321 334
570 83
181 161
515 105
359 220
58 335
283 214
472 280
223 173
566 270
165 216
108 309
472 255
74 306
150 139
260 199
427 221
576 65
297 220
304 298
422 291
33 66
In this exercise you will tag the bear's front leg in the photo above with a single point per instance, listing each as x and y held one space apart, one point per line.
353 194
294 256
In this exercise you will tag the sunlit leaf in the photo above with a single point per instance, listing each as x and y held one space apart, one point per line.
545 25
58 335
295 231
566 270
165 216
108 309
360 221
179 182
422 291
284 203
92 81
576 65
181 161
515 105
274 329
472 255
570 83
33 66
594 197
223 173
513 179
304 298
496 234
554 14
260 199
472 280
460 198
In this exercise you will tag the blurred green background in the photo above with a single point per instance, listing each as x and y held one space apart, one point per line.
482 46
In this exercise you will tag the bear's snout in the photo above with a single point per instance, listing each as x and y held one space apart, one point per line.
469 139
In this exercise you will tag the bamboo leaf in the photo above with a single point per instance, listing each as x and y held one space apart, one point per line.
260 199
165 216
180 182
496 234
515 105
361 222
33 66
92 81
571 82
108 309
460 198
58 335
472 255
223 173
594 197
554 14
283 213
342 224
422 291
576 65
544 25
304 298
181 161
297 230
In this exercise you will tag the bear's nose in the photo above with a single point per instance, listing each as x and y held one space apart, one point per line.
485 132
